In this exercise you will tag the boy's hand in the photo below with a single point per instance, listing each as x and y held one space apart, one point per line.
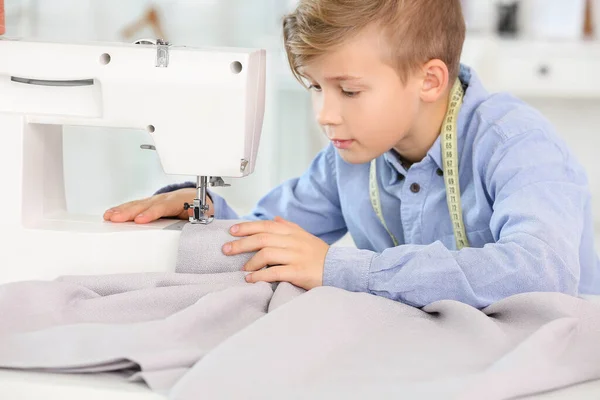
296 256
155 207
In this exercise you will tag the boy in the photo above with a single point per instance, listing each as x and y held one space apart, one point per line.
383 76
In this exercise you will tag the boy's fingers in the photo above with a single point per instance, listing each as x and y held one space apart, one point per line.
254 227
257 242
146 210
107 215
152 213
269 256
292 225
286 222
162 207
119 209
127 213
273 274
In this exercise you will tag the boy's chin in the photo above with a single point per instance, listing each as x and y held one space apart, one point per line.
355 157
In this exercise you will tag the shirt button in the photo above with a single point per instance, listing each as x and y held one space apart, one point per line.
415 188
439 172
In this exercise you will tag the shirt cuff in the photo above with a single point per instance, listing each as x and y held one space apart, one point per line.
348 268
176 186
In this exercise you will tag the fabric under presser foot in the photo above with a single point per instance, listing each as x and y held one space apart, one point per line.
200 249
200 253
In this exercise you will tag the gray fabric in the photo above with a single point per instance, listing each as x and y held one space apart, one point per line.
205 333
284 293
167 334
200 249
159 323
330 343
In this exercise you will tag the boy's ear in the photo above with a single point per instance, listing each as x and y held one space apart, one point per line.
435 80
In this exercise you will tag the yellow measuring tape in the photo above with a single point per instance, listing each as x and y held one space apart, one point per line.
449 143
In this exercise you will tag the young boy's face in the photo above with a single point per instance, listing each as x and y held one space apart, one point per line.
360 101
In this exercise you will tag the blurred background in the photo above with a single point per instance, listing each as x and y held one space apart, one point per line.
546 52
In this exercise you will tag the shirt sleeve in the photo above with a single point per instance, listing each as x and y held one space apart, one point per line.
539 196
311 201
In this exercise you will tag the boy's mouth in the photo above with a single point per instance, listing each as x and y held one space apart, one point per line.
342 144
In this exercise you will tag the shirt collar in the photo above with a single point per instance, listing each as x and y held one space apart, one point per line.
391 158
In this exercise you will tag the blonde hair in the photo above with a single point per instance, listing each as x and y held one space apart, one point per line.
417 31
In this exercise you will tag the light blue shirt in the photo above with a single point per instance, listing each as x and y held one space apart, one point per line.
526 206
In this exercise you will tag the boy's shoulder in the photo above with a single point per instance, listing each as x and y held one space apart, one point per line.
503 117
503 128
500 117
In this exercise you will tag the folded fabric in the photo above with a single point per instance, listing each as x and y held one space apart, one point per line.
330 343
200 249
157 324
203 332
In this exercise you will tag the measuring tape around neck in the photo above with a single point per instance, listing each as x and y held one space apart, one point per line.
449 144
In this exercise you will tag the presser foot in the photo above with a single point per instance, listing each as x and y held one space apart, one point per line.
198 213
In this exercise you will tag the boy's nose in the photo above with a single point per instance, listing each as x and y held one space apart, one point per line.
328 114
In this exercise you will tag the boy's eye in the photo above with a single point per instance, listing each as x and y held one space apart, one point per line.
349 93
315 87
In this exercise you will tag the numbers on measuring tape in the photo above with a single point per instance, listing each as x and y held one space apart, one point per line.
449 144
450 162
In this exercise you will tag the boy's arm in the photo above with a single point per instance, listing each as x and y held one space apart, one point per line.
311 201
539 199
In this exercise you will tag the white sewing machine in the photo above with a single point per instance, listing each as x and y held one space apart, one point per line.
203 110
